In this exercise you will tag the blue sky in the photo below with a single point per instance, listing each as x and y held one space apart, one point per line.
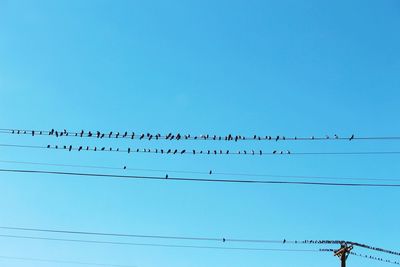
243 67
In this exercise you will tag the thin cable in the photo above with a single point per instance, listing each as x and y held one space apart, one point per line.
198 179
192 238
374 258
178 136
156 245
61 261
125 168
201 152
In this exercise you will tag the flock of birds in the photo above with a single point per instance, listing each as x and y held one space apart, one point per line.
168 151
169 136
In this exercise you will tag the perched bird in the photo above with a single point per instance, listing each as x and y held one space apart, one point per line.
194 151
33 133
81 134
210 172
133 135
277 138
125 134
129 150
98 134
124 167
110 134
260 152
183 151
284 241
223 239
169 151
103 148
166 176
175 151
351 137
274 152
141 136
70 148
90 134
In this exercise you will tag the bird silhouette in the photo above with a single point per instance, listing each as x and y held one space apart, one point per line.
90 134
81 134
274 152
129 150
351 137
141 136
124 167
183 151
210 172
166 176
70 148
33 133
110 134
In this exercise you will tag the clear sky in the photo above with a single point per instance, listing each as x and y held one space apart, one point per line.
243 67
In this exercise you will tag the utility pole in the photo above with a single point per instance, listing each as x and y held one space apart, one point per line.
343 253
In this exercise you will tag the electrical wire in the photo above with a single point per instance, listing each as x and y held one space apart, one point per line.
374 258
188 179
200 152
125 168
178 136
191 238
61 261
156 245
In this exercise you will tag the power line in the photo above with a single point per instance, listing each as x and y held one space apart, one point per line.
202 238
126 168
199 152
188 179
156 245
375 258
179 136
192 238
61 261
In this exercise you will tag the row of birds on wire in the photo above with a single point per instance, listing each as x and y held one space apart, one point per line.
169 136
364 256
349 243
169 151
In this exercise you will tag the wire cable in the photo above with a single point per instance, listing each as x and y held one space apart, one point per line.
191 238
200 152
156 245
210 172
61 261
178 136
188 179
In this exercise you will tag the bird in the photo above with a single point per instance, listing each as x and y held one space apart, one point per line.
70 148
81 134
103 148
284 241
183 151
175 151
90 134
169 151
80 148
98 134
141 136
33 133
274 152
351 137
133 135
110 134
260 152
277 138
166 176
288 152
194 151
124 167
125 134
116 136
210 172
129 150
223 239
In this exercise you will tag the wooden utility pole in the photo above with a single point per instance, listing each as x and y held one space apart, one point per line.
343 253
